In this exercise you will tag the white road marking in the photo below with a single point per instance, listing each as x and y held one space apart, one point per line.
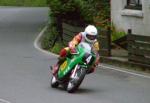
4 101
135 74
37 40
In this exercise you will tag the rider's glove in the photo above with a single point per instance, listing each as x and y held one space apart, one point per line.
73 50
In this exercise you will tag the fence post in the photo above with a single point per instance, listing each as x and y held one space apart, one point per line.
129 43
129 34
109 40
59 29
129 31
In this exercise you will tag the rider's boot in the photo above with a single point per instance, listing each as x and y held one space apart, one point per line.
55 68
92 69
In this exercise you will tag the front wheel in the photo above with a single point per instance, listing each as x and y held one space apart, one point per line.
76 80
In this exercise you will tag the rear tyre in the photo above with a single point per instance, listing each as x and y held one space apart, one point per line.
54 82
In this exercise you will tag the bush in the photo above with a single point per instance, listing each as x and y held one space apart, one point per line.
48 38
57 48
80 11
77 13
102 19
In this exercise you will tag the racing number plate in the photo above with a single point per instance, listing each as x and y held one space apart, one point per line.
63 66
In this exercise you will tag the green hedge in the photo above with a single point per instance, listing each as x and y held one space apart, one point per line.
75 12
80 11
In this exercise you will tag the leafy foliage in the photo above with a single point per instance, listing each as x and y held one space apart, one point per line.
77 12
80 11
48 38
57 48
102 19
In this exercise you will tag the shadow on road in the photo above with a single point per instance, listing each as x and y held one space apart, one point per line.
86 90
79 91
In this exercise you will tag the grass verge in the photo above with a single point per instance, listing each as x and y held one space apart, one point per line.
37 3
48 39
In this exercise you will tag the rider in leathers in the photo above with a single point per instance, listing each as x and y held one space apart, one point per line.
89 36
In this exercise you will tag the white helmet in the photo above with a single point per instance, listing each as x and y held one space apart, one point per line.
91 33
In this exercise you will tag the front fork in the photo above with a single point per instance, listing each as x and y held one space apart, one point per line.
74 74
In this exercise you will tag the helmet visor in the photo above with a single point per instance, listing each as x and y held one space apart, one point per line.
91 37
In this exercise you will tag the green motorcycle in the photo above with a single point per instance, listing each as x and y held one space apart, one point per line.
73 70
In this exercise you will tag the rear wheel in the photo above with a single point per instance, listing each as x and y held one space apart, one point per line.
54 82
76 80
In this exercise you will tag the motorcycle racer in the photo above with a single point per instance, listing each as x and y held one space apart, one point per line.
90 36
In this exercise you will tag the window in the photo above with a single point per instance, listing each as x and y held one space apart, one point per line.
134 4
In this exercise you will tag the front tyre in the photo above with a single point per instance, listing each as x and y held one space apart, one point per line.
54 82
75 81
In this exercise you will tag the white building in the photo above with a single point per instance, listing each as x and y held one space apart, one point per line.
131 14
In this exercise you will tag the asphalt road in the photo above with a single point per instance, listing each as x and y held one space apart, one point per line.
24 73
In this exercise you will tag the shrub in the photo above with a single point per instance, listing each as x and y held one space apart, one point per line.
76 12
57 48
102 19
80 11
48 38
